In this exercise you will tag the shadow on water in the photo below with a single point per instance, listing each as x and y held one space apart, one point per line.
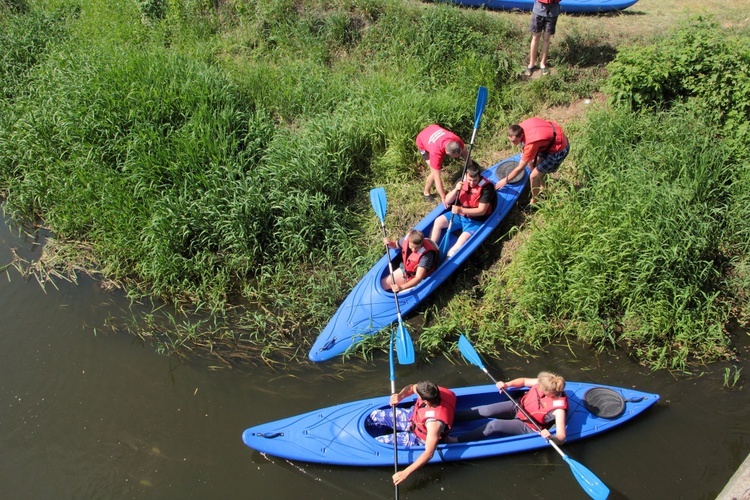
90 413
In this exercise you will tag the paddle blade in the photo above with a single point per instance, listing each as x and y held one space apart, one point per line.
588 480
379 202
404 346
481 103
469 352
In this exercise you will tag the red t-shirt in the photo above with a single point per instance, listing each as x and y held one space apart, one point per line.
433 140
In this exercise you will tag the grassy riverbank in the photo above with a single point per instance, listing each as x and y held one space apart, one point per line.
219 156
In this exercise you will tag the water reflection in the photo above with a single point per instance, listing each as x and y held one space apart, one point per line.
88 413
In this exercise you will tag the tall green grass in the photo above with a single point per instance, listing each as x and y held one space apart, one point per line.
219 154
634 258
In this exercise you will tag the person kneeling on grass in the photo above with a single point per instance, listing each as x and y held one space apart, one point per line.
425 423
475 197
545 402
419 257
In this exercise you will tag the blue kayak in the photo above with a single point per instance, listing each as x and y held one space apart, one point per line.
369 307
567 6
339 435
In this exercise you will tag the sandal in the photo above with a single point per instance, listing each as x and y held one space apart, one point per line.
529 71
545 71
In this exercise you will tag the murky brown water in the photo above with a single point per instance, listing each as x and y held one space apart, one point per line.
86 413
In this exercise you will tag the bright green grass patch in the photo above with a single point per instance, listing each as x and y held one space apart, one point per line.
634 257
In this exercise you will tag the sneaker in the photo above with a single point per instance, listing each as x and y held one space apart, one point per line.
529 71
545 71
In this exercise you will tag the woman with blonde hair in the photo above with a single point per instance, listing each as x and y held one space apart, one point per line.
545 402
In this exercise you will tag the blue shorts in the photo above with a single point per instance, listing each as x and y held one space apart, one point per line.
464 223
549 163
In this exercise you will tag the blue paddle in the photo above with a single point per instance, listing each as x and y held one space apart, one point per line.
588 481
404 346
478 110
393 409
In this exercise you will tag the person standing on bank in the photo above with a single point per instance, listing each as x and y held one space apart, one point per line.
545 146
426 423
434 144
544 16
419 257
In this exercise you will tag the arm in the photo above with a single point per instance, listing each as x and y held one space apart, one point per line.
439 185
559 437
452 196
481 209
527 158
513 173
417 279
434 428
516 382
406 391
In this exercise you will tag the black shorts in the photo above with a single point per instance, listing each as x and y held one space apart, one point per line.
541 24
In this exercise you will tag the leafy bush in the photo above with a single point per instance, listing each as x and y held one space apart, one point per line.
699 63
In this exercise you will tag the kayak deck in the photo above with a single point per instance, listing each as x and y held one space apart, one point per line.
369 308
339 435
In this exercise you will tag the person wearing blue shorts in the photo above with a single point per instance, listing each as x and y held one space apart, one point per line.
473 201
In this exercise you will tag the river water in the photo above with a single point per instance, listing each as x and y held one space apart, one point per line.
91 413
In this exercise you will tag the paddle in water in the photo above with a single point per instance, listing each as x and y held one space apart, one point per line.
404 345
478 110
587 479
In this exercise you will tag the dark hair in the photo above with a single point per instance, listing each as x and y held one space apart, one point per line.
473 170
429 392
515 130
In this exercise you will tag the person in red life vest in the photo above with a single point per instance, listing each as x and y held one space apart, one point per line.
544 16
545 402
434 144
545 146
476 198
419 257
424 424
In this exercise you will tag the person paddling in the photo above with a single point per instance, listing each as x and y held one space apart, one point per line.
419 258
545 402
424 424
474 200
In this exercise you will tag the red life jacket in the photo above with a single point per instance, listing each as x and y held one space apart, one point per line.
411 259
548 134
444 412
469 197
540 407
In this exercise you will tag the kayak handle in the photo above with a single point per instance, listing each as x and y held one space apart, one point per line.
270 435
329 344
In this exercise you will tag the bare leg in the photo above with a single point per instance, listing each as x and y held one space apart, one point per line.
398 276
459 243
533 49
537 184
545 47
428 184
440 223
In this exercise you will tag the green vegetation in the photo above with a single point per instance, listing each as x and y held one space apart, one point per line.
218 155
